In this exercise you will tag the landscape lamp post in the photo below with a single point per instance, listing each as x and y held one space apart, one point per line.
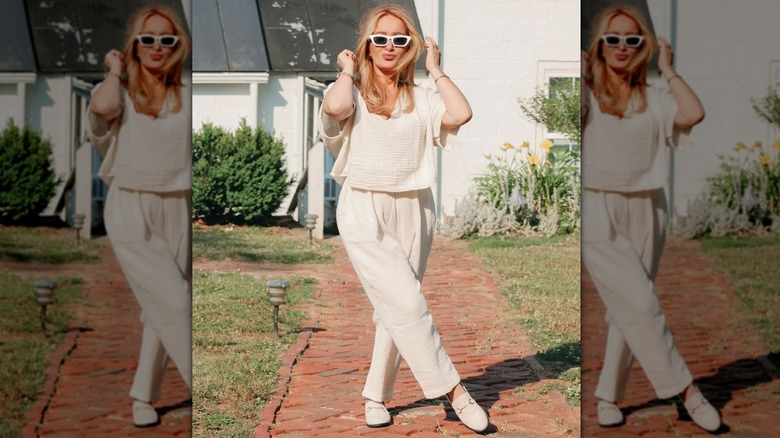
277 289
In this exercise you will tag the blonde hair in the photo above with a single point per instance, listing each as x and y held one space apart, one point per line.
139 90
374 93
604 91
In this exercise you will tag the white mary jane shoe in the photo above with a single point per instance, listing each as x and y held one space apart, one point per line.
469 412
377 414
144 414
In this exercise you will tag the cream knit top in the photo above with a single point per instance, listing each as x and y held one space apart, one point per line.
629 154
143 153
389 155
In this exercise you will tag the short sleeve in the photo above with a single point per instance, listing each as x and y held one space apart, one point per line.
98 128
445 138
678 138
329 128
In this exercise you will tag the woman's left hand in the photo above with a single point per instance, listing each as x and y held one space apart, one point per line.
433 56
665 56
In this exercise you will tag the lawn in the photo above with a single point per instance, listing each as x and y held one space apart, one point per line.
236 355
45 245
255 244
751 265
541 279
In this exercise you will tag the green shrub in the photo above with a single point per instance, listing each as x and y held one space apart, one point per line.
742 198
540 186
237 177
27 179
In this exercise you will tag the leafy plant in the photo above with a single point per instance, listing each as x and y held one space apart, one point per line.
237 177
27 179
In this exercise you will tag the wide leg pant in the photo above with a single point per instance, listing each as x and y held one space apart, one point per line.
150 233
623 236
388 237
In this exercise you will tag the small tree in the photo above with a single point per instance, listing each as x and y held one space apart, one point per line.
27 179
768 107
557 108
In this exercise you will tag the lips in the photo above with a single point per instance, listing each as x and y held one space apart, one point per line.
388 57
621 57
156 57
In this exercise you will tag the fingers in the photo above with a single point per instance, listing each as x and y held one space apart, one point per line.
431 43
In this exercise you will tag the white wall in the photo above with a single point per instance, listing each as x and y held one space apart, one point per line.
492 50
726 61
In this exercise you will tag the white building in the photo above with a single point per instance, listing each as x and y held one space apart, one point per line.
496 51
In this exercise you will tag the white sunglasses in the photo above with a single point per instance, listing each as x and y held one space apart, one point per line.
397 40
166 41
630 40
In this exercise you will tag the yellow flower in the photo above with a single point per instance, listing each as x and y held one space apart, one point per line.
757 145
766 160
776 144
507 146
533 159
525 144
546 145
739 146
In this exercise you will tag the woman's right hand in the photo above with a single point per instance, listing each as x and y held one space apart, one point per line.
346 61
114 60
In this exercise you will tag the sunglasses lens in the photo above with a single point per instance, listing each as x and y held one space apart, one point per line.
167 41
379 40
612 40
401 41
147 40
633 41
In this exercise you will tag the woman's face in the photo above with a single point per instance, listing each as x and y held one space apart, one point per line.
386 58
155 56
618 58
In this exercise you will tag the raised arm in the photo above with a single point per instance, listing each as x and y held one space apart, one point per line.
107 101
458 109
339 102
690 111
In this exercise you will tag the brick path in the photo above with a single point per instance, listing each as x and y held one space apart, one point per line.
89 377
492 355
721 349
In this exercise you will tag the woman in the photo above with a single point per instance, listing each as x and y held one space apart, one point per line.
140 119
383 130
627 126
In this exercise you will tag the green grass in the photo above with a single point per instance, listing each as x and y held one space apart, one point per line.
24 350
255 244
236 355
751 265
45 245
541 279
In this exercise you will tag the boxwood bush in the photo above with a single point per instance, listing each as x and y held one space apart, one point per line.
237 176
27 179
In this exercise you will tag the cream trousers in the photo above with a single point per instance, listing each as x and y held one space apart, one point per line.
150 233
388 237
622 239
